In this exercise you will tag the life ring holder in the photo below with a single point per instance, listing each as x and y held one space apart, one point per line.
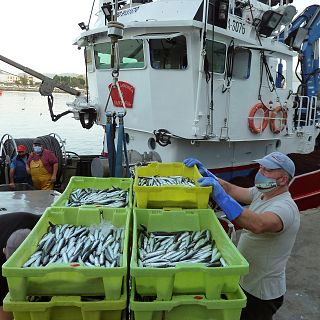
273 126
253 128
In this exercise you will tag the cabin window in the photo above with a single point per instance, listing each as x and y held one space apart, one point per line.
241 63
88 59
169 53
217 60
130 54
281 71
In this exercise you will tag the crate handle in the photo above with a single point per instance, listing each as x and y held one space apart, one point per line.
65 299
172 209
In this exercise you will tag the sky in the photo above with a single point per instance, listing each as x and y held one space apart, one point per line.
39 33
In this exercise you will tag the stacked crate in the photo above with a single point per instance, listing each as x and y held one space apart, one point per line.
78 182
188 290
72 290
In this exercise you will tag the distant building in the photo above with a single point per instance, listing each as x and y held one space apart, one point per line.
8 77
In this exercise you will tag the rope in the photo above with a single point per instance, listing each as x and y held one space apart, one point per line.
269 77
254 22
128 174
86 66
91 13
115 32
212 46
229 68
52 115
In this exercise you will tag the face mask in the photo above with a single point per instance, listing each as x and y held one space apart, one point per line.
264 184
37 149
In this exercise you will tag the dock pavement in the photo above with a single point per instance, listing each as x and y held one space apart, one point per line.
302 300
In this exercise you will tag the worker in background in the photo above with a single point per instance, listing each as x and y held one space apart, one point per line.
18 171
42 165
270 224
14 228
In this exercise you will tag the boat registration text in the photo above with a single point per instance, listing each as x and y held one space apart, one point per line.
236 26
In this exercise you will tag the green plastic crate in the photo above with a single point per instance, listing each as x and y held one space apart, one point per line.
190 307
186 278
67 308
170 196
65 279
77 182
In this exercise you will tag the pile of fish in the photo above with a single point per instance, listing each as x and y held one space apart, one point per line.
166 249
113 197
89 246
157 181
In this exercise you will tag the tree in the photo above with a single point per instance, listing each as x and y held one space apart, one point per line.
24 80
78 81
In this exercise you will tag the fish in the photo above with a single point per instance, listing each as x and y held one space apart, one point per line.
113 197
91 246
161 249
158 181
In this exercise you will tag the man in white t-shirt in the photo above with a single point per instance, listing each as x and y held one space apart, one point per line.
270 225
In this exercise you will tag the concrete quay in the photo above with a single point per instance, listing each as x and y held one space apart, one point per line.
302 300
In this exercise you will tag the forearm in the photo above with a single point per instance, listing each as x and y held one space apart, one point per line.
227 186
55 170
11 175
238 193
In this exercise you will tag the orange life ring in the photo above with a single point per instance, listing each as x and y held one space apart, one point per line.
273 120
253 128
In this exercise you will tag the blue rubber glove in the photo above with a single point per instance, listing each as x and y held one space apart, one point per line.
229 206
190 162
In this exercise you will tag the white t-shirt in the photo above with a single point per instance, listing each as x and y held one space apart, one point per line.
268 253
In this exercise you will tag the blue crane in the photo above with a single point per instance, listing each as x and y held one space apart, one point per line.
303 36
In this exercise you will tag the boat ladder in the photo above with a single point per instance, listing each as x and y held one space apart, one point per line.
306 113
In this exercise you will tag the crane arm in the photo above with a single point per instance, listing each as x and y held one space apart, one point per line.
303 36
307 17
48 83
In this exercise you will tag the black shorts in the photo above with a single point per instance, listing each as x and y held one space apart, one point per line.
258 309
3 289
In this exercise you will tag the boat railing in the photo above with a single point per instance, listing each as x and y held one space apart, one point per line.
270 3
306 112
133 2
233 4
124 4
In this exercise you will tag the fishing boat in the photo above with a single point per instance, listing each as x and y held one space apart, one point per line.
209 79
171 79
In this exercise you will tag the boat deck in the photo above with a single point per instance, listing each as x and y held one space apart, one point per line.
34 201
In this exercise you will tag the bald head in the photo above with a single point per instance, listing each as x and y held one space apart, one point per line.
15 240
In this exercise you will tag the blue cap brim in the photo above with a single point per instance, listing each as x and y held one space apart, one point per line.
268 164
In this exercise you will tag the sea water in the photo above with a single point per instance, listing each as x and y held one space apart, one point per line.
26 115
